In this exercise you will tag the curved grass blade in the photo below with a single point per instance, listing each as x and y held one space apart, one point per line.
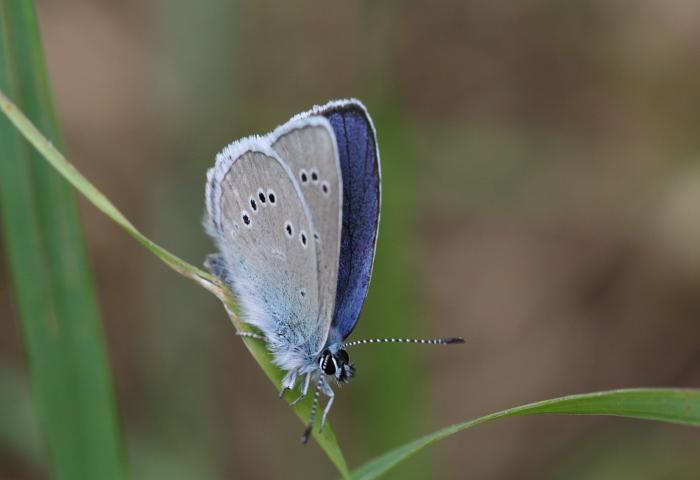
667 405
326 439
72 387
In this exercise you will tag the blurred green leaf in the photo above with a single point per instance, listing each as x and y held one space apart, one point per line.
666 405
19 432
62 331
326 439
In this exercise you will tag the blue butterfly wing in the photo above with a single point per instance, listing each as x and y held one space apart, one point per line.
359 163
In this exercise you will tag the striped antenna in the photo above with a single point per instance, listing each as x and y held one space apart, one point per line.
314 406
425 341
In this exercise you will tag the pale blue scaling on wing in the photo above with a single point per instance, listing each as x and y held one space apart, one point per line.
308 147
251 199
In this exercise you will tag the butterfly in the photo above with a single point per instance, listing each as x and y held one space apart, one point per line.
295 217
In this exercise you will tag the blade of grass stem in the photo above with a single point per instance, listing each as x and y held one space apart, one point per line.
680 406
60 321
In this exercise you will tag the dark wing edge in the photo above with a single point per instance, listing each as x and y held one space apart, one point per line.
361 175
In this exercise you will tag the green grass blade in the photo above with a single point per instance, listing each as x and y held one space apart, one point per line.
19 432
61 327
83 185
326 439
668 405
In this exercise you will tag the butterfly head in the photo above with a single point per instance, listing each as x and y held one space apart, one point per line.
336 362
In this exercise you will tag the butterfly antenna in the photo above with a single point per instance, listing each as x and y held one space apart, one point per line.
314 407
424 341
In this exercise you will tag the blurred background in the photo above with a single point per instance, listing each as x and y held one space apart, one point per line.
541 198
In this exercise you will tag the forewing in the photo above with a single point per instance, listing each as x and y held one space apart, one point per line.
262 228
360 172
308 147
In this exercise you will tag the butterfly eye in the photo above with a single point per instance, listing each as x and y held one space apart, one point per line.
343 355
326 363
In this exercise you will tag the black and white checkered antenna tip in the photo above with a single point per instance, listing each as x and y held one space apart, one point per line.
423 341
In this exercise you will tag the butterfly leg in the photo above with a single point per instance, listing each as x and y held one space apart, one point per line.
331 396
304 390
288 383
